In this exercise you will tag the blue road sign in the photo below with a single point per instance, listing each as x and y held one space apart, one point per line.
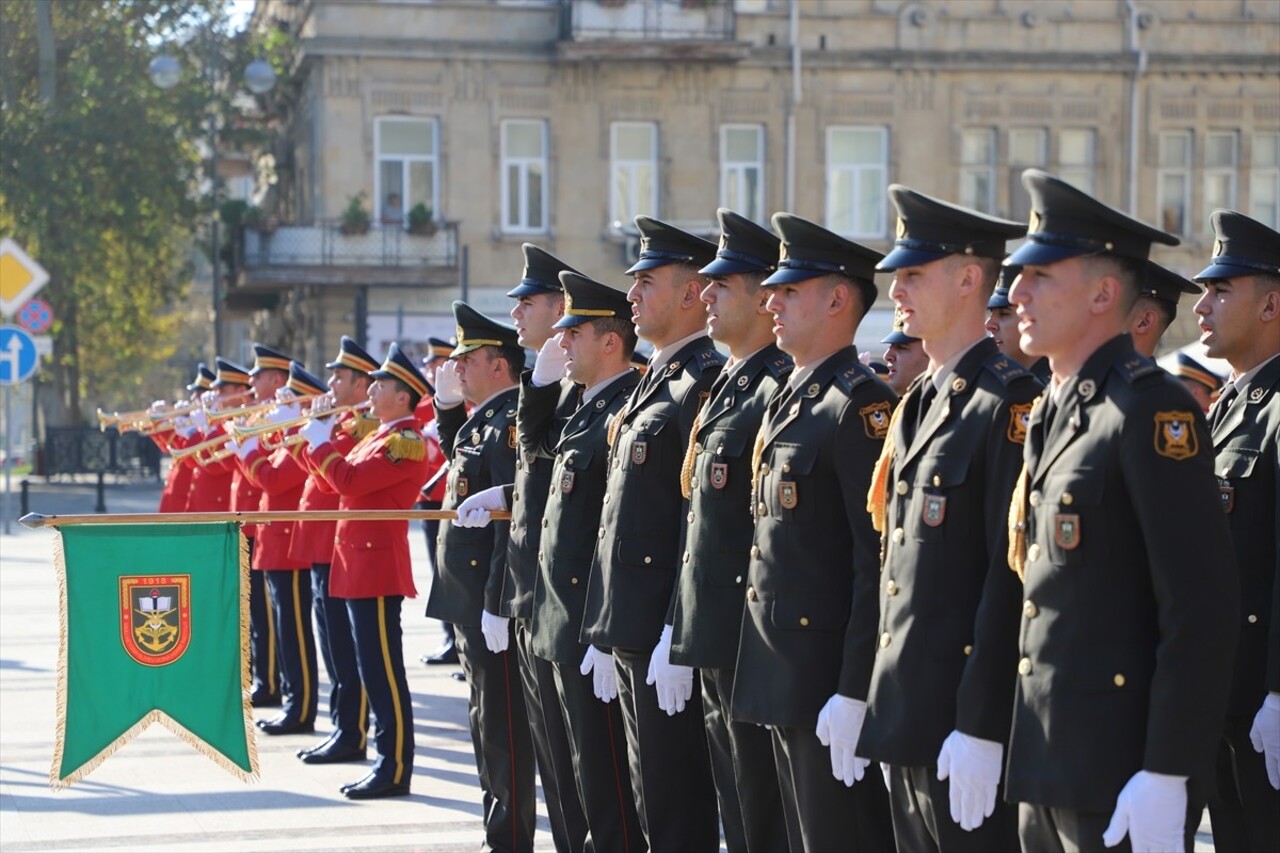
18 356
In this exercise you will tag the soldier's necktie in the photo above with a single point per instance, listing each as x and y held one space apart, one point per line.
930 392
1221 406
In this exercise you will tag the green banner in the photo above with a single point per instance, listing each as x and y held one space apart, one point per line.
155 628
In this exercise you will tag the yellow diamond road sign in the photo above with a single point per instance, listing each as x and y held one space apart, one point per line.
20 277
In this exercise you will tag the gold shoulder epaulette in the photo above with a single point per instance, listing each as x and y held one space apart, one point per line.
406 444
361 426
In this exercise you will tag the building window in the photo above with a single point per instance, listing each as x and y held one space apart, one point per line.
857 172
524 176
1221 170
406 174
978 169
634 158
1174 181
1028 148
1264 180
742 170
1076 155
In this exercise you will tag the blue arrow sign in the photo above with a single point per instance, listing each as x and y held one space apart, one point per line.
18 356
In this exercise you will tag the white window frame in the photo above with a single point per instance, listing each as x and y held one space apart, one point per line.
405 159
1089 168
734 172
1231 171
1183 170
520 223
859 173
1263 175
987 169
616 163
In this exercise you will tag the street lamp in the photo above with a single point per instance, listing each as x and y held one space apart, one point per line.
259 78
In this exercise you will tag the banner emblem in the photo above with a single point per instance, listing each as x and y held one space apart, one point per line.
1176 435
155 617
934 510
1066 531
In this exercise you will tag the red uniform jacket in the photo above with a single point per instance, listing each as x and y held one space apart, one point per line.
245 496
384 471
177 484
281 479
210 484
313 540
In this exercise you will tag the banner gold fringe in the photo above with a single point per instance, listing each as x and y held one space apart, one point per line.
59 783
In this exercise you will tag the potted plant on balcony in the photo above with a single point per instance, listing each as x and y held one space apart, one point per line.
257 219
355 218
422 220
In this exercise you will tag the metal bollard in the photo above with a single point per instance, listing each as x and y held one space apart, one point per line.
26 497
102 494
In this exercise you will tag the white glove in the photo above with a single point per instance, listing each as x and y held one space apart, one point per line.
432 431
549 366
156 407
1152 809
283 412
605 679
674 682
320 405
184 427
475 510
495 631
1265 735
243 450
448 385
839 727
316 432
974 767
199 420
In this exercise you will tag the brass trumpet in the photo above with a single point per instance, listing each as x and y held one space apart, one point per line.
242 411
205 446
243 431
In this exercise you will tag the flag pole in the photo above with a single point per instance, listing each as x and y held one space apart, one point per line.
35 520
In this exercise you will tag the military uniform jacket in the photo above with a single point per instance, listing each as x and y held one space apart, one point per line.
384 471
948 603
1246 442
640 533
706 612
528 499
810 624
281 478
210 489
312 541
471 561
579 452
1129 619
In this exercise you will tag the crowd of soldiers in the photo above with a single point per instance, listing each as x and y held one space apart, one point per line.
1019 593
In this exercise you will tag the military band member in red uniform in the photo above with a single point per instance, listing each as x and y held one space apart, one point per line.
177 485
371 568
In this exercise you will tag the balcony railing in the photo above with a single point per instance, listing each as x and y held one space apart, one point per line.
651 20
325 245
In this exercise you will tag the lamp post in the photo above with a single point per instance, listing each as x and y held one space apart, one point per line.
259 78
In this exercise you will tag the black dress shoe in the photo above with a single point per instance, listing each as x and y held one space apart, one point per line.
446 654
316 746
334 754
371 788
264 699
281 726
458 676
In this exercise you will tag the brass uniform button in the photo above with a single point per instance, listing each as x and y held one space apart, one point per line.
475 563
515 496
786 467
689 518
764 467
1024 666
804 621
573 581
544 522
738 579
685 558
606 497
891 588
760 509
693 482
1034 498
899 535
1119 679
755 552
968 650
1033 553
1253 619
885 640
1029 609
937 481
751 593
1067 499
648 560
902 487
602 531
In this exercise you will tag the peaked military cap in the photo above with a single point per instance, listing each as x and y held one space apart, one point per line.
353 357
1188 368
898 336
1164 283
541 271
303 382
476 330
1066 223
744 246
268 358
662 244
437 348
1000 296
229 373
586 299
809 251
929 229
397 365
204 378
1243 246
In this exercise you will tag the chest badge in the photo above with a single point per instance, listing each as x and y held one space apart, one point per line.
1066 531
1176 435
460 487
566 480
475 437
934 510
1226 495
639 452
788 494
719 475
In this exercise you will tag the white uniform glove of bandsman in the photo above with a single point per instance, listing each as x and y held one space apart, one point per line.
244 449
604 673
317 431
283 412
184 427
549 366
974 767
674 683
199 419
432 431
1265 735
495 631
475 511
839 726
1152 809
448 385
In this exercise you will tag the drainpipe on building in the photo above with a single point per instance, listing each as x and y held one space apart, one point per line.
796 94
1140 66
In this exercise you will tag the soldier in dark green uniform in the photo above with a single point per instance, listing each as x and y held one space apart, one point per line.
808 634
471 564
1239 317
905 357
706 616
1002 325
1157 307
1128 618
940 692
638 553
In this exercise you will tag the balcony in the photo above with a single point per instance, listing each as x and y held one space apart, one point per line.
650 29
321 254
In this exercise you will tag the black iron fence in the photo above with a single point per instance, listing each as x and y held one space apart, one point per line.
86 450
